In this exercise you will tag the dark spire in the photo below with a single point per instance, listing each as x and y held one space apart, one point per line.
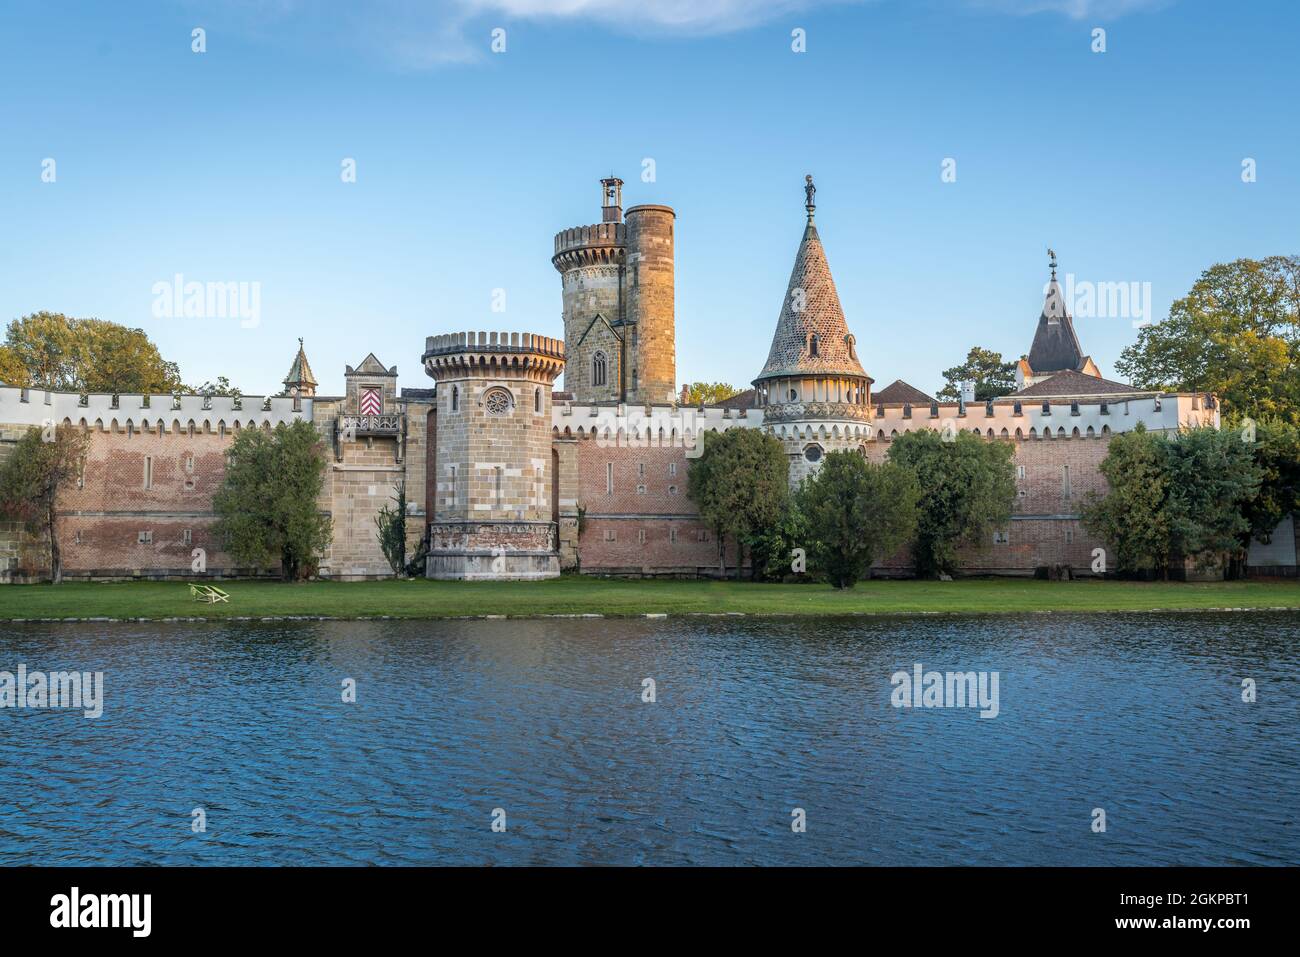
1056 346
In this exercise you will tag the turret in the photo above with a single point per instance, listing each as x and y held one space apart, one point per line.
813 390
617 279
652 335
493 511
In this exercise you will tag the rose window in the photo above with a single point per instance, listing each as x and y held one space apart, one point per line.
497 402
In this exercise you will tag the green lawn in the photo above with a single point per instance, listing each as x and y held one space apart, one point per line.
577 595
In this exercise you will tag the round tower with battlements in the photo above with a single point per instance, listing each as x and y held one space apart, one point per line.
493 516
617 280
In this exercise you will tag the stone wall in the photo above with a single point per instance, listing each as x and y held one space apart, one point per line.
650 308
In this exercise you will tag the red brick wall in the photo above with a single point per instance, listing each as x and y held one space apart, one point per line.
100 522
1037 533
629 511
1043 513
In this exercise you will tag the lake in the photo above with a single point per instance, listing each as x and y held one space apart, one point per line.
543 723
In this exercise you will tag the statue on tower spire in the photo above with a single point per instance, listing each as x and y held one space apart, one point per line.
810 196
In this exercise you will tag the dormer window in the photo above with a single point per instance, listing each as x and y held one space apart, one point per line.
851 343
812 345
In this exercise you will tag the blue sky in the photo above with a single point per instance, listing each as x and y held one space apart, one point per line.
225 165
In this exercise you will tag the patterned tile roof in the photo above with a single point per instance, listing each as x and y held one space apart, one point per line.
811 309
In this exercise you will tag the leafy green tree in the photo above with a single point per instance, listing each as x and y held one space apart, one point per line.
266 506
991 375
391 526
709 392
221 387
1277 452
87 355
740 485
1236 333
856 512
1133 519
1190 496
967 487
43 460
1213 478
772 548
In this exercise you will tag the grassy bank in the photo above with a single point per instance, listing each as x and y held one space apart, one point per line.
577 596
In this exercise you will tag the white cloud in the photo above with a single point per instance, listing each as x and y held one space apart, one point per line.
701 16
421 34
1074 9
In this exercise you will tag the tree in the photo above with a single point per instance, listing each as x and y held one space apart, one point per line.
1133 519
1236 333
266 505
856 512
1213 478
740 484
1277 452
391 525
991 375
42 461
221 387
967 486
709 392
12 370
87 355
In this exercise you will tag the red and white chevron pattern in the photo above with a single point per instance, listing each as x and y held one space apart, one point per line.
371 402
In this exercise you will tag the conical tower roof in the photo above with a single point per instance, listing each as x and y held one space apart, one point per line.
1056 345
811 335
300 376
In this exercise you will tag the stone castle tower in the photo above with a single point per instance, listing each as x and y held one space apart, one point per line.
619 323
493 513
814 393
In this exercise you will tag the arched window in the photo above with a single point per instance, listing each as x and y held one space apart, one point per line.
598 372
537 400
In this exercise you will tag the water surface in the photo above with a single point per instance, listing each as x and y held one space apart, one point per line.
1140 715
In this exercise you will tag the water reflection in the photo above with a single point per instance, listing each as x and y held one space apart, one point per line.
1138 714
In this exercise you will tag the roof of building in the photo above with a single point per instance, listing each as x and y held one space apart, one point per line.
899 392
300 371
1072 383
741 400
1056 346
418 393
811 333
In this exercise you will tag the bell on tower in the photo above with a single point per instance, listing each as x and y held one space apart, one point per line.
612 200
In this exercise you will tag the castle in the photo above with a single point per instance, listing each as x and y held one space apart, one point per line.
511 479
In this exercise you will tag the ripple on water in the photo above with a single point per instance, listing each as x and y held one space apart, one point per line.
1137 714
